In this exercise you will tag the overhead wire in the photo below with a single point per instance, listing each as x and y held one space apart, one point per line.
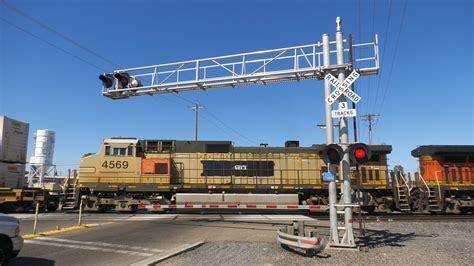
230 133
387 87
229 127
236 132
61 35
370 77
51 44
68 39
233 132
383 53
183 98
360 82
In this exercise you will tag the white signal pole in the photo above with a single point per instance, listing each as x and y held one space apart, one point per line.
330 140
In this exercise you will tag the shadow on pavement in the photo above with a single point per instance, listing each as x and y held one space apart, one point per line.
381 238
31 261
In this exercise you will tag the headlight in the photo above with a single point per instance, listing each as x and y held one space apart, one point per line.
17 231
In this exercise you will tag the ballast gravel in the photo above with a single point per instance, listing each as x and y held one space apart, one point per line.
390 243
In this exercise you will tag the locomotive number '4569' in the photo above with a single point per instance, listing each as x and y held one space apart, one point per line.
115 164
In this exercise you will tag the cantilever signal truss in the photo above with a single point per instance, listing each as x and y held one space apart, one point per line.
261 67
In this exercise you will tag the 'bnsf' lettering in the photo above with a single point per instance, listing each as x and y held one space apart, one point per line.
237 168
240 167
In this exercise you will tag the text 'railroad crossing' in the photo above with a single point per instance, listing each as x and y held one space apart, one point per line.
343 88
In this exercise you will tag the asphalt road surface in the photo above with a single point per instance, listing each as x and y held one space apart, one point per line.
124 239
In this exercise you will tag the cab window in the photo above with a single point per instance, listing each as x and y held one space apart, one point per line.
130 151
119 152
107 150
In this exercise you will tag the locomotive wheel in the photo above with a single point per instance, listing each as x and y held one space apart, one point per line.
7 207
101 209
369 209
417 201
52 206
133 208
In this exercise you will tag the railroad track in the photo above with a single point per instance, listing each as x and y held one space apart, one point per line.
421 217
382 217
403 217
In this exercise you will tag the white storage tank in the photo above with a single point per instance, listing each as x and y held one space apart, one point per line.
13 140
43 150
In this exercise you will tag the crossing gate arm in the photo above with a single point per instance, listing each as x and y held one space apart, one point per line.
233 206
260 67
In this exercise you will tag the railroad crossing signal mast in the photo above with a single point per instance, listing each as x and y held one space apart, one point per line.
312 61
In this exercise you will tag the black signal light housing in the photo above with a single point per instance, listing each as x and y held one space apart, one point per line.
107 80
123 79
332 154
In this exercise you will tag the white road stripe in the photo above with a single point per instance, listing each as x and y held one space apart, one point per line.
101 244
161 257
288 217
30 241
153 217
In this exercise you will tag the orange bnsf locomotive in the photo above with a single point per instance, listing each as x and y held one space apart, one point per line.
445 182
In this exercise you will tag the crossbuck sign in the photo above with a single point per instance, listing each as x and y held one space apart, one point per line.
342 88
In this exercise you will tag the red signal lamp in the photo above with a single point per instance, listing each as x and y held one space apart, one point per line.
359 153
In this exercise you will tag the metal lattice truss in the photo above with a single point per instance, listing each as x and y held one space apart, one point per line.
38 172
261 67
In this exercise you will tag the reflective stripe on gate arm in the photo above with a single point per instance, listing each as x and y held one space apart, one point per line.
232 206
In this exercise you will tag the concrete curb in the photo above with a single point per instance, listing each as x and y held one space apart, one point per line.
63 230
168 254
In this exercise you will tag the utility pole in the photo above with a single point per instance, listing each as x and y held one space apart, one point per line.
196 108
370 118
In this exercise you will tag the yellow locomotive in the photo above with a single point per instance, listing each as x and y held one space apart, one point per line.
127 172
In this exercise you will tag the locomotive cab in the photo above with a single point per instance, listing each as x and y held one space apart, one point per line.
116 164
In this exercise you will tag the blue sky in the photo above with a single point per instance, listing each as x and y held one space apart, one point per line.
429 99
